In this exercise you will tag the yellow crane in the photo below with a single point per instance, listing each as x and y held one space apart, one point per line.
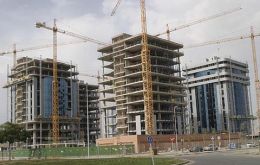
147 75
223 40
55 99
146 63
168 30
146 72
15 50
251 36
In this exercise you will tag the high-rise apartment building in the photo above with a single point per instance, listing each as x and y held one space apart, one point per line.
218 99
122 94
30 88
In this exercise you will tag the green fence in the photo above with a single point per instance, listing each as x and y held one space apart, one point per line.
73 151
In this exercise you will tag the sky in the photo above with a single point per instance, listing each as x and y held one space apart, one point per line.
92 18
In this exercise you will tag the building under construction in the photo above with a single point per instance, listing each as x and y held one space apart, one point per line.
122 93
30 88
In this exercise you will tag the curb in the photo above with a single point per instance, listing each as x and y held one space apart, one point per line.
185 162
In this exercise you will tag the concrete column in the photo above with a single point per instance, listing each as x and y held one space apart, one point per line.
138 124
179 124
34 135
194 108
219 114
41 100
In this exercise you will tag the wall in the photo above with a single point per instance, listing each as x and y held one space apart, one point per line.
164 143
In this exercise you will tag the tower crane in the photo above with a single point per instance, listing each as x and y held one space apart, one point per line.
82 37
94 76
115 8
145 57
55 100
168 30
146 72
251 36
223 40
15 50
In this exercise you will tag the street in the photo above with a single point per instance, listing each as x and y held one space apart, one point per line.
223 158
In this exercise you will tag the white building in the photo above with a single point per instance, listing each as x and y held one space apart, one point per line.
218 98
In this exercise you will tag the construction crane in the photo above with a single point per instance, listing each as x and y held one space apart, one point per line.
55 100
251 36
15 50
98 77
229 39
146 72
168 30
82 37
115 8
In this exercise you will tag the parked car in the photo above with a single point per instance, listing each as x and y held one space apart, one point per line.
250 145
210 147
196 149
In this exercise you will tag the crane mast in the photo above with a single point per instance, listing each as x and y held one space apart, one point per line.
55 84
146 61
146 75
55 87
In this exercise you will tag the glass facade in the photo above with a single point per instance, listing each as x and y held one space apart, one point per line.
218 97
204 73
64 110
206 104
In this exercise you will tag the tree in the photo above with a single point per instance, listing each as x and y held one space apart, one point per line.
11 133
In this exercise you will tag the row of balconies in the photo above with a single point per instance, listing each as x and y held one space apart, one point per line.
164 52
136 75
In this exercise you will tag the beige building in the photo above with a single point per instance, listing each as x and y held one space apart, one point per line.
122 86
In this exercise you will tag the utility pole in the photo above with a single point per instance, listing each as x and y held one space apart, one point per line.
175 127
7 95
257 82
188 100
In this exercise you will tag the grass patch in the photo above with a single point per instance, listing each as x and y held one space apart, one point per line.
74 151
109 161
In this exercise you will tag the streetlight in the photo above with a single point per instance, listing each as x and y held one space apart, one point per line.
87 118
175 127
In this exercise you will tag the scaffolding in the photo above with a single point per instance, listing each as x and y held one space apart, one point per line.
30 85
124 92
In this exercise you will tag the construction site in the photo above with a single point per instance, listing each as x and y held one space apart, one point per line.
142 93
122 64
31 101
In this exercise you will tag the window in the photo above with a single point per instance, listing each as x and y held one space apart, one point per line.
223 103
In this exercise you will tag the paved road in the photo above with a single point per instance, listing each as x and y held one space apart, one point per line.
223 158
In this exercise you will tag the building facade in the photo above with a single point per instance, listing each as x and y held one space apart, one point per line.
218 99
122 93
89 111
30 88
